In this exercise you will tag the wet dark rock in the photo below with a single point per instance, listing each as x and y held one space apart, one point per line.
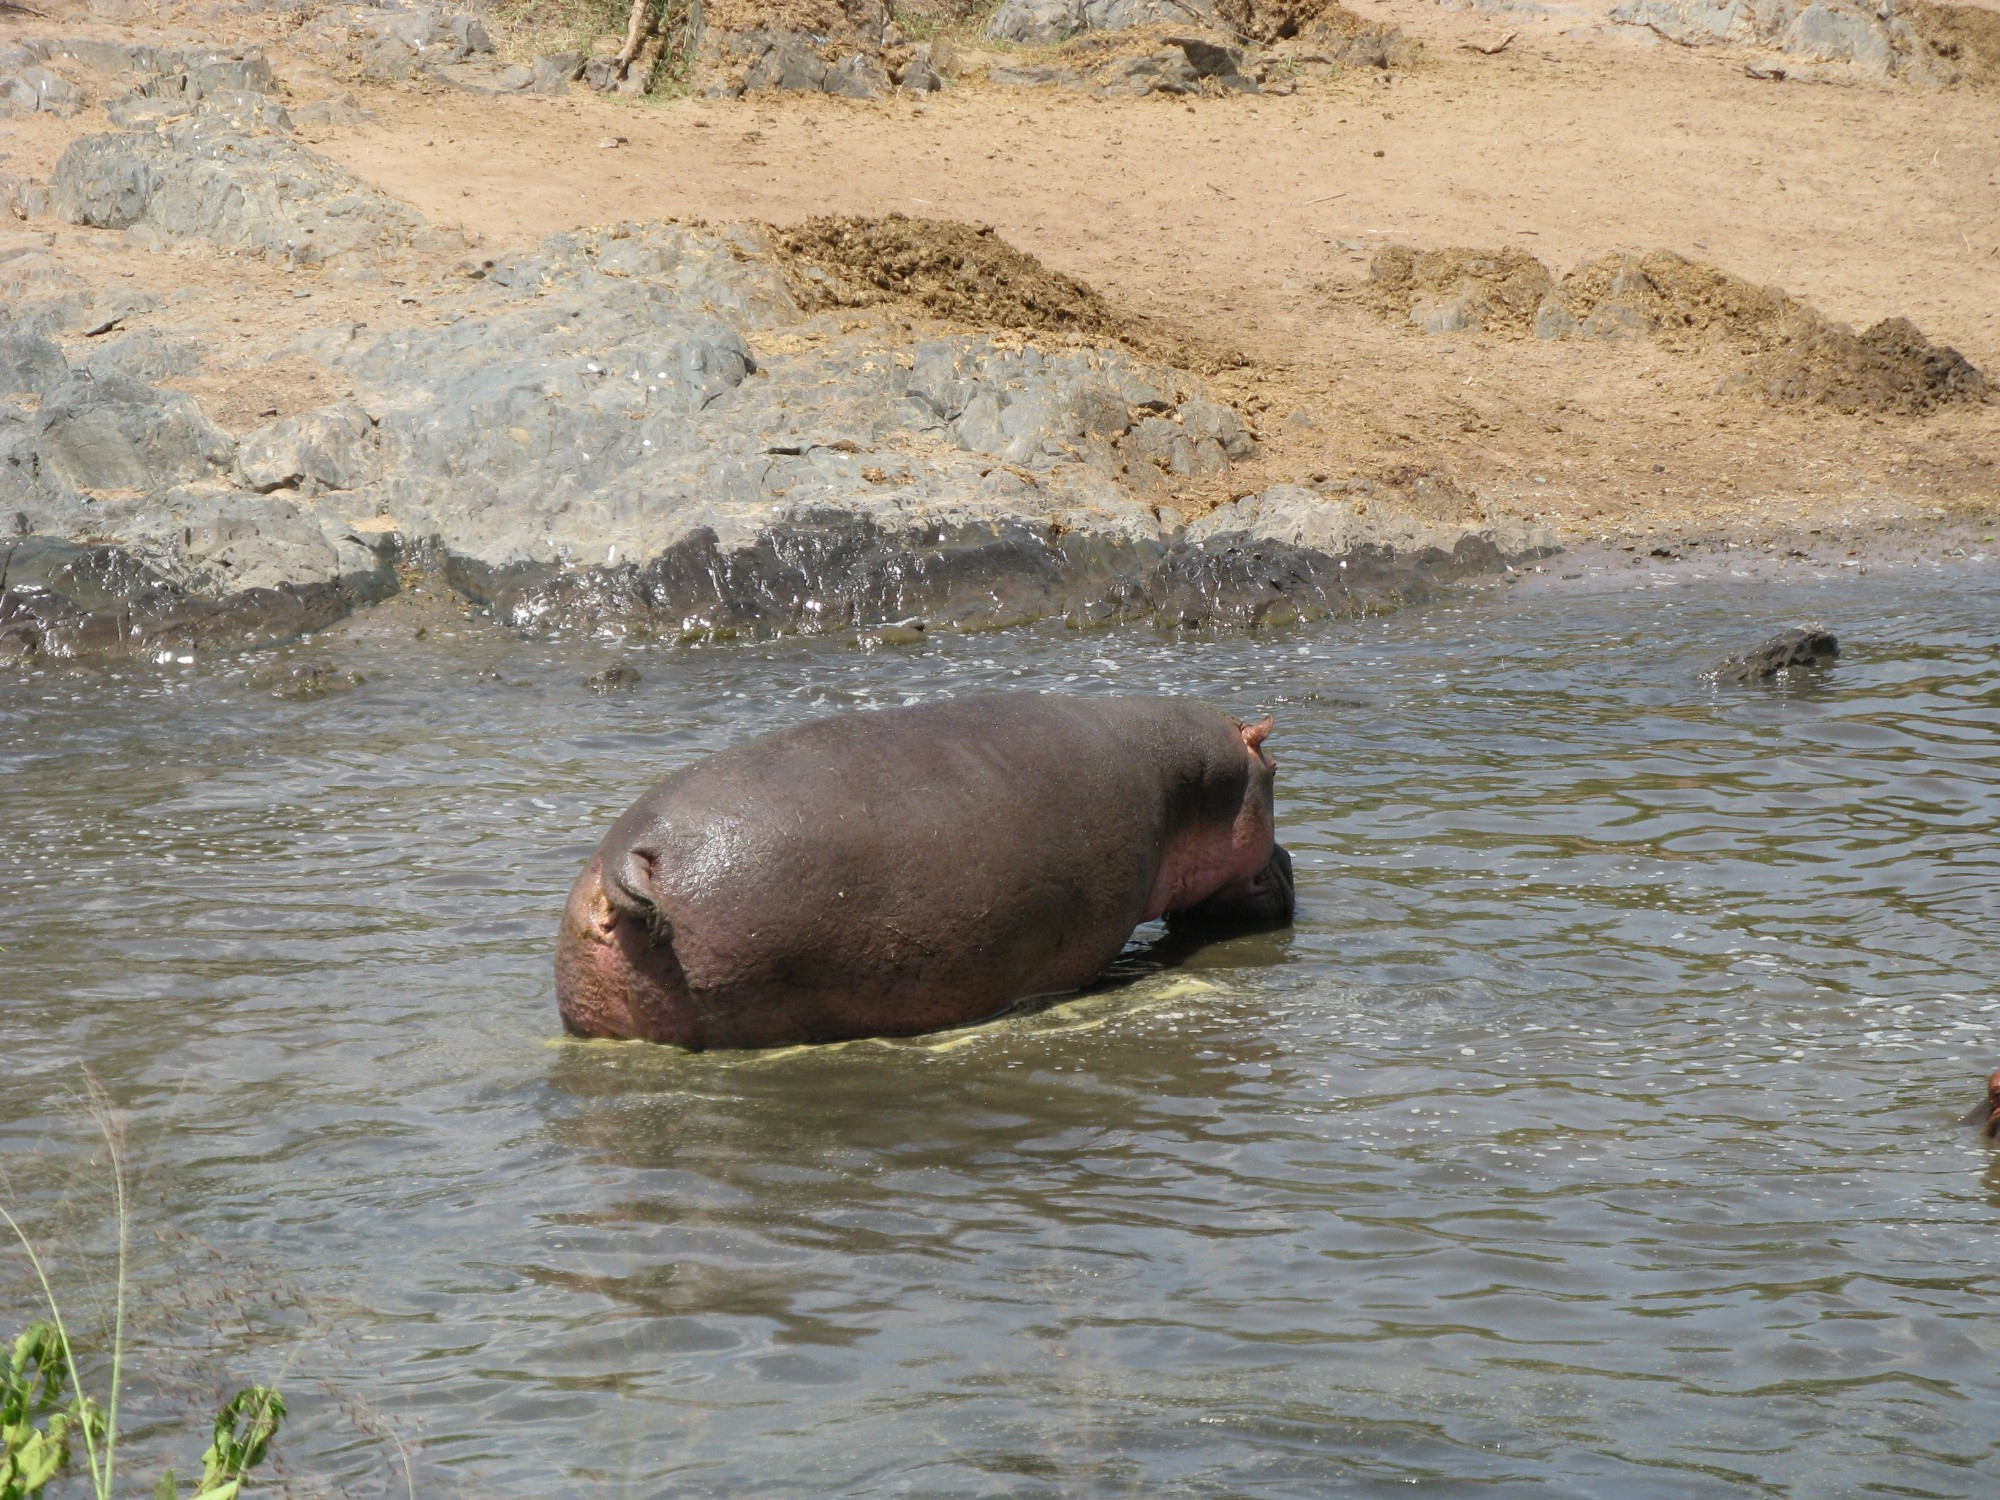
59 599
1807 646
848 573
614 679
304 681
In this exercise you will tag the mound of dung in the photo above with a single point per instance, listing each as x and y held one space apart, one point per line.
1269 21
1456 289
1890 368
949 269
1964 43
1680 302
1795 353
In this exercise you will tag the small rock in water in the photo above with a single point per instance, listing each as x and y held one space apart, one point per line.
908 632
1806 646
309 680
618 679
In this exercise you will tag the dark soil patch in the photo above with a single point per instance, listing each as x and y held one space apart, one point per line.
965 274
951 270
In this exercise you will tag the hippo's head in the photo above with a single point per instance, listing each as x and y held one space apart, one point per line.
1262 903
616 971
1985 1116
1227 871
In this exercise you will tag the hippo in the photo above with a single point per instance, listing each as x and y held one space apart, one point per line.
894 872
1985 1116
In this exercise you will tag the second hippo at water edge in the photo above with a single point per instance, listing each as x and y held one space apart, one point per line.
880 874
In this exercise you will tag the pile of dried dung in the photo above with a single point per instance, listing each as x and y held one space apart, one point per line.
1796 354
1683 303
1890 368
1453 290
1348 37
1964 41
820 19
949 269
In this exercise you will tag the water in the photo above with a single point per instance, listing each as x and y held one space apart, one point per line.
1593 1134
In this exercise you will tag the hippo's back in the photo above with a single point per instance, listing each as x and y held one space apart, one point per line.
980 848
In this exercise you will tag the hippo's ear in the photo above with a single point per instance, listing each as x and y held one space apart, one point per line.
1254 735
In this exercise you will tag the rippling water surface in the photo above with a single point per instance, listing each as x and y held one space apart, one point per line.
1593 1134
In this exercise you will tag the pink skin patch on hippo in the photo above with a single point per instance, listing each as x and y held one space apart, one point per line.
1206 859
610 979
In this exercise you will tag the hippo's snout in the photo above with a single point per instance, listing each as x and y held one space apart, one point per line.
1263 902
616 972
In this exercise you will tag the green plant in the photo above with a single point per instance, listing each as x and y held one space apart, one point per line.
42 1401
243 1431
36 1422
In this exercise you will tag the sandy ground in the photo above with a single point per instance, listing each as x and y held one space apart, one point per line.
1246 218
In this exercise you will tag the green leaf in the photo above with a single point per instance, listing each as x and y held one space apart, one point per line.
243 1432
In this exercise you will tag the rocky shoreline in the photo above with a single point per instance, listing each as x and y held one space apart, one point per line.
673 429
665 429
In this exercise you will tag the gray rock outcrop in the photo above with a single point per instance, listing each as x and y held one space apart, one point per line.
633 429
1867 37
204 181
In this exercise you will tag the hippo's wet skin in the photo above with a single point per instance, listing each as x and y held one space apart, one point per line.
877 874
1985 1116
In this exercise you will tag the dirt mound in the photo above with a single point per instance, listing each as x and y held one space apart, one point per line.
1796 354
1965 41
1270 21
1446 291
1683 303
967 274
951 270
821 19
1890 368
